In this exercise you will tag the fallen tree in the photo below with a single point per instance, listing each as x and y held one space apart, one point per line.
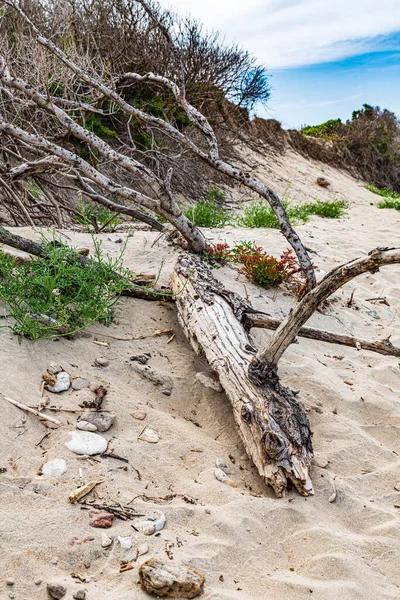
273 426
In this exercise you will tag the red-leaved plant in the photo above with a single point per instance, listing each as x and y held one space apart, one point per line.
258 266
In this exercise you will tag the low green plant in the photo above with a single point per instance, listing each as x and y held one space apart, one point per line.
260 214
390 203
384 192
55 295
331 209
97 127
95 216
209 212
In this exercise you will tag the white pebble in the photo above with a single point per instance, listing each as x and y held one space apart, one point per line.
85 442
63 381
55 467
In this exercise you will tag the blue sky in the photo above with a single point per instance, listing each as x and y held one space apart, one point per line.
325 57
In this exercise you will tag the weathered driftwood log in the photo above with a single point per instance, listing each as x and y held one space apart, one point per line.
381 346
32 247
273 425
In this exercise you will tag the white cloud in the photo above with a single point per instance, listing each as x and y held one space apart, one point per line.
289 33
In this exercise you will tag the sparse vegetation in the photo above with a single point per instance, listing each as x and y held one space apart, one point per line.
54 295
259 214
211 211
391 199
95 217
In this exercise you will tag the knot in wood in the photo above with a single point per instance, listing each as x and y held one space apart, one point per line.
275 445
246 413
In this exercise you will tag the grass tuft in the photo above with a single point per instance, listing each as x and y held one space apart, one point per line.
95 217
209 212
55 295
392 199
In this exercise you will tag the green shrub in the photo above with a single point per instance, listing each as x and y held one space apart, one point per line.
390 203
55 295
260 214
95 216
97 127
383 192
326 130
209 212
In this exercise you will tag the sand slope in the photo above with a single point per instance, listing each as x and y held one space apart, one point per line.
265 548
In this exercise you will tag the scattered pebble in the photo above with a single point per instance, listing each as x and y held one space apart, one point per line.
56 590
142 549
221 476
85 442
10 581
141 358
209 382
80 595
103 520
153 524
79 383
397 487
220 464
86 426
63 381
105 540
373 314
54 368
101 362
148 435
101 420
37 581
55 467
169 580
125 542
140 415
320 461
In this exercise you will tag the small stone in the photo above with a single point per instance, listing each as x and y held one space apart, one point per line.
125 542
55 467
373 314
320 461
56 590
63 381
83 252
79 383
54 561
103 520
143 549
94 386
140 415
169 580
150 436
221 476
37 581
86 442
105 540
80 595
152 525
220 464
10 581
101 419
209 382
143 359
101 362
54 368
397 487
86 426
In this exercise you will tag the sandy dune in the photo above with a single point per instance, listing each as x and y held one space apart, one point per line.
265 549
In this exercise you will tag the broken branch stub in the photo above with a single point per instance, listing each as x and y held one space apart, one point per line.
273 425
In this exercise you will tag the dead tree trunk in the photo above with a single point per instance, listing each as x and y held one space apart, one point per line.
273 425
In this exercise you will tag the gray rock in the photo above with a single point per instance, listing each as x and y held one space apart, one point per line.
79 383
10 581
85 442
80 595
373 314
103 420
101 362
86 426
209 382
170 580
56 590
63 381
55 467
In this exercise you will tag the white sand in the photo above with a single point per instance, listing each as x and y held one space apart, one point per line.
265 548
